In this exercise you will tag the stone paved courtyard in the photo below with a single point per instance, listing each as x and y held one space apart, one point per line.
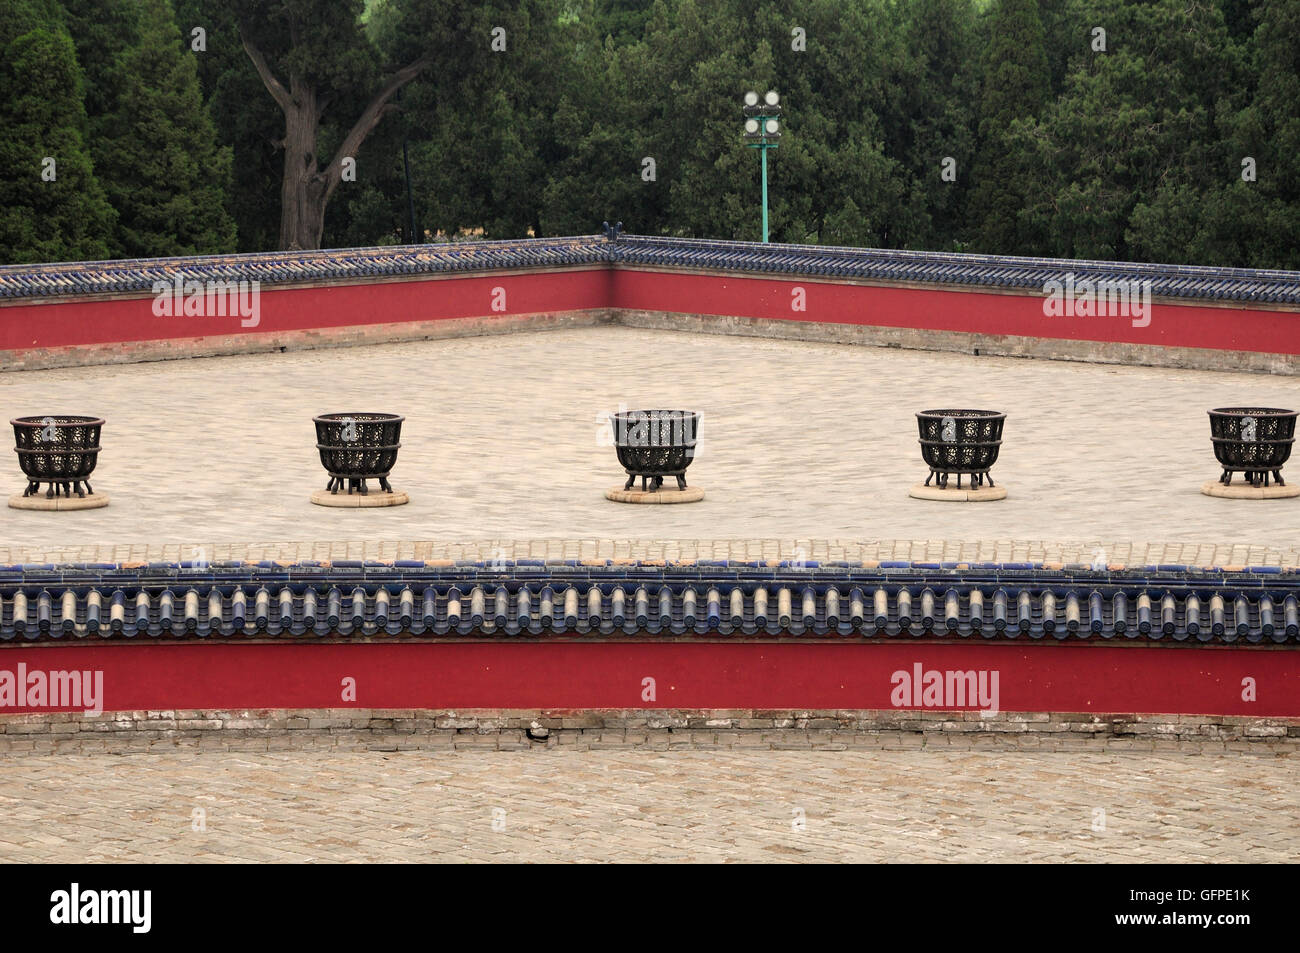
805 449
556 805
501 442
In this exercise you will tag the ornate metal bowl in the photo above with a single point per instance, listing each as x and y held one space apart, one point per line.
358 447
653 444
1255 441
61 451
960 441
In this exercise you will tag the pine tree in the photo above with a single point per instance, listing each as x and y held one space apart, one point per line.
43 118
153 140
1277 45
1015 85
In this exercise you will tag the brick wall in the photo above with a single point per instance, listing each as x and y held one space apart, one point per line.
520 729
121 327
962 342
219 345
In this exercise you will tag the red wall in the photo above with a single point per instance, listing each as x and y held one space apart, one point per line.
78 323
975 312
297 309
1102 678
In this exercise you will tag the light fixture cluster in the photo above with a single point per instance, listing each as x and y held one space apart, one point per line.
761 121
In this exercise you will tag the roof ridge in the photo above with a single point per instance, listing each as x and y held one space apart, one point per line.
881 264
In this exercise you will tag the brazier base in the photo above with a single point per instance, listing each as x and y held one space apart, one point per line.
352 501
692 494
954 494
1244 491
90 501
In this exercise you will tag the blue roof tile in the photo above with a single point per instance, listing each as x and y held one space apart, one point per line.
354 264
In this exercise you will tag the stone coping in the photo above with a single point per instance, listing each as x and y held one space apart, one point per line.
199 569
1048 554
513 729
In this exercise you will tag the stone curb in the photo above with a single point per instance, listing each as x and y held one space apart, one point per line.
427 729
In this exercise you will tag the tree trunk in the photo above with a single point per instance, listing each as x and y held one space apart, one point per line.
306 187
303 188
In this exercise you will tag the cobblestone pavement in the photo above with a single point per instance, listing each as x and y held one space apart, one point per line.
501 442
555 805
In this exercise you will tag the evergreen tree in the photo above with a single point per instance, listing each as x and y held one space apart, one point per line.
1273 122
1060 148
933 82
152 137
1122 164
43 116
247 121
1015 84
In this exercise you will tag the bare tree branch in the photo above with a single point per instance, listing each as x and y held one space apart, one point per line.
273 85
375 110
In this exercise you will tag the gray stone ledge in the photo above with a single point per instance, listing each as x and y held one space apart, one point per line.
501 730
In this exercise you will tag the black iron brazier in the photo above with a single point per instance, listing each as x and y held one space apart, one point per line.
1255 441
61 451
653 444
355 448
960 441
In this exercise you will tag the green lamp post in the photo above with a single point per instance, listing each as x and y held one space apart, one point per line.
762 130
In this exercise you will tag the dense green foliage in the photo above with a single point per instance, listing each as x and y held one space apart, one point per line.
1052 142
53 207
152 139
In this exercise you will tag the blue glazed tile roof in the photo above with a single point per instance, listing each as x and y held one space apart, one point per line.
358 264
349 264
600 598
991 271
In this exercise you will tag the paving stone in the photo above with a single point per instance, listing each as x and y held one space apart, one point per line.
1088 480
637 805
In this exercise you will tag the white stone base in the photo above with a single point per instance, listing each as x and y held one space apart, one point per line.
91 501
692 494
352 501
1244 491
953 494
